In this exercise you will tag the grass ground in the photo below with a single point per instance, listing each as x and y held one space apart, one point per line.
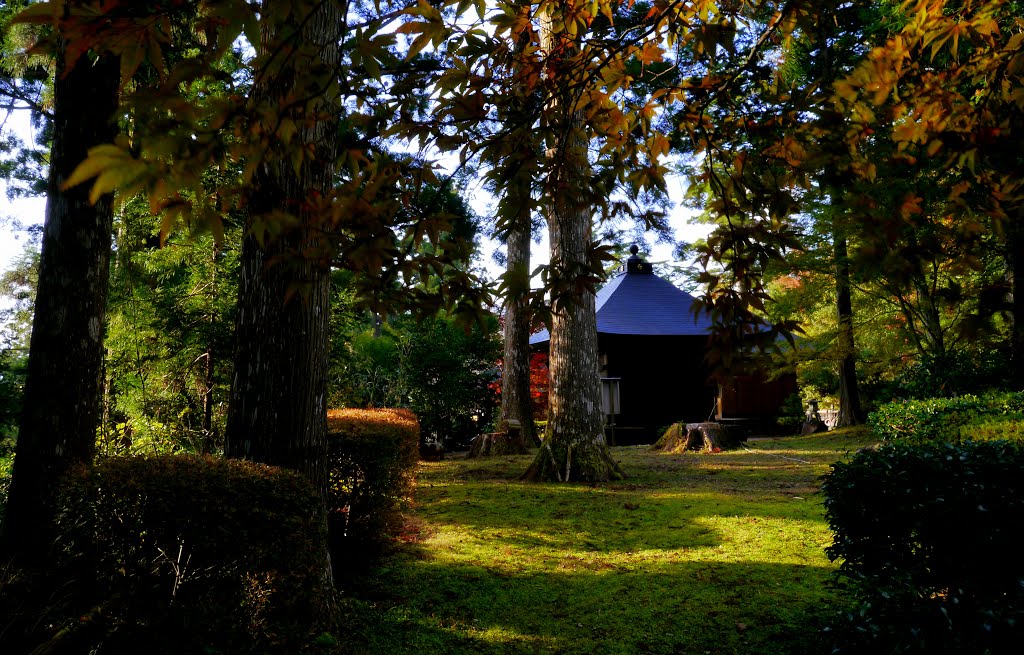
707 554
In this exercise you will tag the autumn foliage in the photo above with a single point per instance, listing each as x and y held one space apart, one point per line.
356 421
538 385
373 455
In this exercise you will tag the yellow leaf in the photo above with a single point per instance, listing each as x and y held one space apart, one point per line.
99 158
417 45
115 177
131 59
1015 42
845 90
286 130
157 195
651 53
410 27
937 45
40 13
216 226
156 56
968 159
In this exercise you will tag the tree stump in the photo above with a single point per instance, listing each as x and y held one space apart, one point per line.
813 427
507 441
432 452
699 437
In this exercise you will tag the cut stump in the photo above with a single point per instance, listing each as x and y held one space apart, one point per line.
507 441
431 452
813 426
697 437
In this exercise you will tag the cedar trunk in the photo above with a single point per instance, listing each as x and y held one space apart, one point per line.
1015 270
516 403
849 396
277 412
209 438
574 447
62 404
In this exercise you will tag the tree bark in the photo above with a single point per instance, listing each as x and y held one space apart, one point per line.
277 409
694 437
516 403
574 447
62 405
1015 272
209 370
849 396
519 168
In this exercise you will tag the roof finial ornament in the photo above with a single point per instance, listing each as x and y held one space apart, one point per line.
635 264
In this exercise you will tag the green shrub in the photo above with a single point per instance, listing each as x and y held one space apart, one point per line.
944 419
929 539
954 373
791 415
373 455
190 554
1009 428
449 372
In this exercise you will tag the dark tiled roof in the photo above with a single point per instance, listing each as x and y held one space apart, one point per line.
643 304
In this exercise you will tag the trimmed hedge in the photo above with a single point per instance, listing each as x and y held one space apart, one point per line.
948 419
373 455
196 554
929 539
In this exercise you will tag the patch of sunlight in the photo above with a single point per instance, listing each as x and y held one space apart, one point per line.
699 498
453 536
769 540
504 636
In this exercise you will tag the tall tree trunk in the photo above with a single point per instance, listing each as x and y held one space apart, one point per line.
516 211
209 437
849 396
277 412
63 405
574 447
1015 270
516 403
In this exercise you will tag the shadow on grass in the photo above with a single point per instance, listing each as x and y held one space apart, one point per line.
602 520
664 503
737 608
692 553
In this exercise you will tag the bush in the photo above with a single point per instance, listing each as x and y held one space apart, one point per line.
929 538
954 373
1009 428
944 419
190 554
433 365
792 414
449 372
373 455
